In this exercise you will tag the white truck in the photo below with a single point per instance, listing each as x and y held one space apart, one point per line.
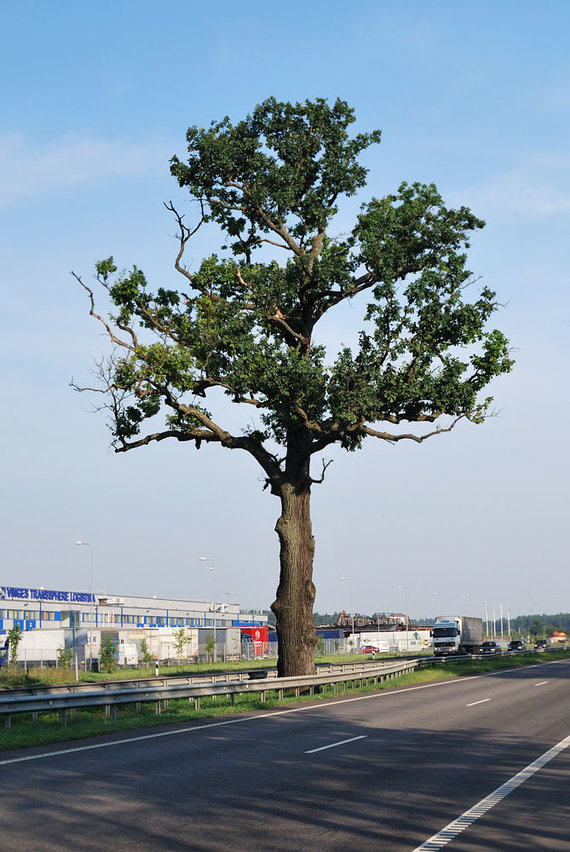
457 634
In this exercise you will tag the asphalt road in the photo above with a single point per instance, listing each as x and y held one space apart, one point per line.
382 771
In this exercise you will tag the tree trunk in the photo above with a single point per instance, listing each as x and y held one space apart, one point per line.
293 606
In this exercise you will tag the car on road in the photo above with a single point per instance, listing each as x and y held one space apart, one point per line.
490 647
517 645
542 643
369 649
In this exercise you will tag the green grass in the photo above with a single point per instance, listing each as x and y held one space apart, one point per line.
91 722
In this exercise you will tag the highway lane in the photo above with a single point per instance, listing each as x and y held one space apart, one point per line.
380 772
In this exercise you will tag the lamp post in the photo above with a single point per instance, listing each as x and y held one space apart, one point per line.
213 570
348 580
229 596
405 591
90 635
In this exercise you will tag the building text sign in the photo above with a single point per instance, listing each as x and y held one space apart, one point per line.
23 594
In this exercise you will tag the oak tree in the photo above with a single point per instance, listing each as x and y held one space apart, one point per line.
245 321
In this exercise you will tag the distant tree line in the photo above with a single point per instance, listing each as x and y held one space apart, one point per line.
541 625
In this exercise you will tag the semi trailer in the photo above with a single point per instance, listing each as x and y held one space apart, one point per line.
457 634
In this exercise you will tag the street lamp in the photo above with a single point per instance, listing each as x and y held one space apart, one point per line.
436 595
213 570
90 635
405 591
348 580
229 596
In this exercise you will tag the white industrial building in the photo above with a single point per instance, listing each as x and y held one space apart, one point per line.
51 619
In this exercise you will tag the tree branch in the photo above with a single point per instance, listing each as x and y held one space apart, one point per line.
392 438
116 340
322 477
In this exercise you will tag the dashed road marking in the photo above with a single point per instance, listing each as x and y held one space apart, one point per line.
333 745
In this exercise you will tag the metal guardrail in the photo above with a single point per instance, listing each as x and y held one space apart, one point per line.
110 696
72 688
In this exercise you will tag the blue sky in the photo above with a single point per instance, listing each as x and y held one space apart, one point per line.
95 98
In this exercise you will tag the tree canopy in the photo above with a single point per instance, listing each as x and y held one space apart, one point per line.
245 320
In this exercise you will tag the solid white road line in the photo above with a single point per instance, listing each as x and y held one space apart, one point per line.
473 703
334 745
442 838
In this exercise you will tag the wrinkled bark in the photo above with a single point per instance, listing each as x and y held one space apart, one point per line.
293 606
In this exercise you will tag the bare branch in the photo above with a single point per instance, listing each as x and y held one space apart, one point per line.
92 312
273 243
184 235
322 477
394 438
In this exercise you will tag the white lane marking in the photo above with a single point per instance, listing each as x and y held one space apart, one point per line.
542 682
242 719
334 745
473 703
450 832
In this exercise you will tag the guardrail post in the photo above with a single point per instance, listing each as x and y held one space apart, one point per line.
7 722
64 718
34 718
113 713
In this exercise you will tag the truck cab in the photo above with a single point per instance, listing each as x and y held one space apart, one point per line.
446 637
